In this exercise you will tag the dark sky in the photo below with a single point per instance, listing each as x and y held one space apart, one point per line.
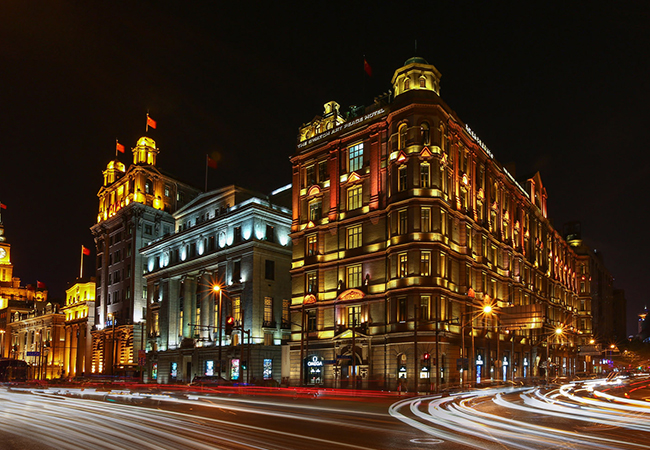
562 88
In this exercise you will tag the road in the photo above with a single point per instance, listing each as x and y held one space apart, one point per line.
588 416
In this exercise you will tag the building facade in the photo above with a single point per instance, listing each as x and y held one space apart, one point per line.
135 207
38 339
419 262
238 241
14 298
79 311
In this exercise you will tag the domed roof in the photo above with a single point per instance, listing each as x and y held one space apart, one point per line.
115 165
416 59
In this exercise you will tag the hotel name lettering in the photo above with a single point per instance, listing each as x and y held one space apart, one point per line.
343 126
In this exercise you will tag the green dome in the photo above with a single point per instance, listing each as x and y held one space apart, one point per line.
416 59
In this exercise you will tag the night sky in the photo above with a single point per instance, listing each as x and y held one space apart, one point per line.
562 88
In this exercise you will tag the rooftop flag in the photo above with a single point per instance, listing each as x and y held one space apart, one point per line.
119 147
367 67
85 251
150 122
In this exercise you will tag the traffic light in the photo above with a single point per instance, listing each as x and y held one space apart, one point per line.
230 323
426 360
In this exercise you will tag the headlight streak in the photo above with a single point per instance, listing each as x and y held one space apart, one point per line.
119 426
460 420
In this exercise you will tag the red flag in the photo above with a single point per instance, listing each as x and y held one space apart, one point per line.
119 147
150 122
3 206
40 285
367 67
211 163
85 251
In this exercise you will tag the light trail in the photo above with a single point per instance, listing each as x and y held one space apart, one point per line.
72 423
531 419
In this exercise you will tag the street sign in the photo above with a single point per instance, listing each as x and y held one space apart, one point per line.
33 353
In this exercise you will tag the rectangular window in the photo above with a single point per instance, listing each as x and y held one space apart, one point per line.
355 161
425 264
402 179
403 265
312 245
425 220
355 236
322 171
311 283
236 308
402 224
354 197
269 269
442 269
425 175
236 272
354 316
310 176
425 307
268 311
401 309
315 211
311 320
354 276
286 314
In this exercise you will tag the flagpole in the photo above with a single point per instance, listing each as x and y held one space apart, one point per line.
146 130
81 267
116 142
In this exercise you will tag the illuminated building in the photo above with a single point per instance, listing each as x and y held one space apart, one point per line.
135 207
38 338
14 298
405 229
239 241
79 313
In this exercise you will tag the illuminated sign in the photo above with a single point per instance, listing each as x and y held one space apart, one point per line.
154 371
342 127
478 141
314 372
174 371
234 369
268 369
209 368
401 372
479 361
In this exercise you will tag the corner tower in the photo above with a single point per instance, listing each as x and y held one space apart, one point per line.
416 74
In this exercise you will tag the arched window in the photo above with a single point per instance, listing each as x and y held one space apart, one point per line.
407 84
423 82
148 187
402 137
426 133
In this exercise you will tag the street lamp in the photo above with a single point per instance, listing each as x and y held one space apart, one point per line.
485 311
557 333
217 289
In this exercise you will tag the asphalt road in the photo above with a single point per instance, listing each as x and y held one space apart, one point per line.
577 417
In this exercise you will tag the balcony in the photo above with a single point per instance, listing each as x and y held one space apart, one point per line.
269 324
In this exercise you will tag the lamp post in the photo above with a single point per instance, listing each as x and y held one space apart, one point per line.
2 343
558 332
112 317
217 289
486 310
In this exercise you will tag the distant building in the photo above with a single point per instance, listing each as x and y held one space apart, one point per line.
418 260
135 207
38 338
235 239
79 313
596 290
14 298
